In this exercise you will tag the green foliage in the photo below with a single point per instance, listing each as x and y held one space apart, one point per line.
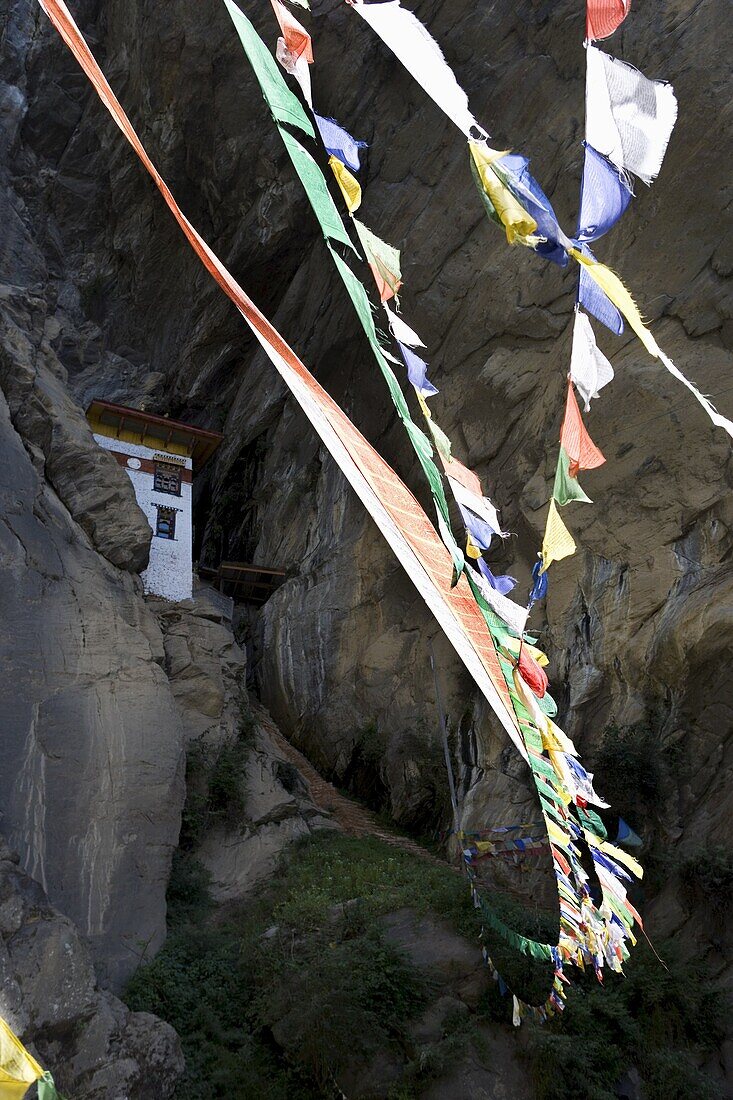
306 961
659 1020
214 782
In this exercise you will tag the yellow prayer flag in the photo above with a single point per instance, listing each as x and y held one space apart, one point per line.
472 550
18 1068
613 288
348 184
515 219
558 543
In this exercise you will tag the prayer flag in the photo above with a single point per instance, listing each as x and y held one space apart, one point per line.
566 488
605 193
541 580
577 444
297 67
318 194
383 259
339 143
558 543
514 172
417 371
602 17
465 477
532 672
516 221
481 532
628 118
402 332
593 298
421 55
478 504
18 1068
348 184
295 35
590 371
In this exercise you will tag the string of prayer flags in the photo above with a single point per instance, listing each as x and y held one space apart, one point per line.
574 439
295 36
501 204
557 543
603 17
632 128
348 184
383 259
590 370
421 55
629 118
339 143
19 1069
475 501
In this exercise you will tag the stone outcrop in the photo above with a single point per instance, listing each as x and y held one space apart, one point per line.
92 783
96 1048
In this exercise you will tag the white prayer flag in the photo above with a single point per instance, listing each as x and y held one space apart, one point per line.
421 55
401 331
480 506
628 118
513 614
589 368
297 67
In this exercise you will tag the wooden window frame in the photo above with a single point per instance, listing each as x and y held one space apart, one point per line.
166 470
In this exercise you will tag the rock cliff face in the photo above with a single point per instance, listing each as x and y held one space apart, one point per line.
99 296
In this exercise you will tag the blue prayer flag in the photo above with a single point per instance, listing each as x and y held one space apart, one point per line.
604 196
523 185
503 584
539 588
417 371
339 142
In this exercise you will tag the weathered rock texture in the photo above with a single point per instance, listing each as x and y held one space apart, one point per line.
98 1050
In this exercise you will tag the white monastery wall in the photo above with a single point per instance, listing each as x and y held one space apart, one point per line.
170 570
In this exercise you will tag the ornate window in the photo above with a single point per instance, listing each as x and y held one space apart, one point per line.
165 525
167 478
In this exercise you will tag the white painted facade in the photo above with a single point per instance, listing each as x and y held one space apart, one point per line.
170 570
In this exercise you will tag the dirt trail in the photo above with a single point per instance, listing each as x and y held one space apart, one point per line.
354 819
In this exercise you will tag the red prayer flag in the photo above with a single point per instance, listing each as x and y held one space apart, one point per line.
578 445
602 17
532 673
296 36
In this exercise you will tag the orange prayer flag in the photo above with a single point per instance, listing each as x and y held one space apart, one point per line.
578 445
296 36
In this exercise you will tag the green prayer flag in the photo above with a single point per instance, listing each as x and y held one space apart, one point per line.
383 256
281 101
46 1088
317 191
566 488
590 820
441 440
